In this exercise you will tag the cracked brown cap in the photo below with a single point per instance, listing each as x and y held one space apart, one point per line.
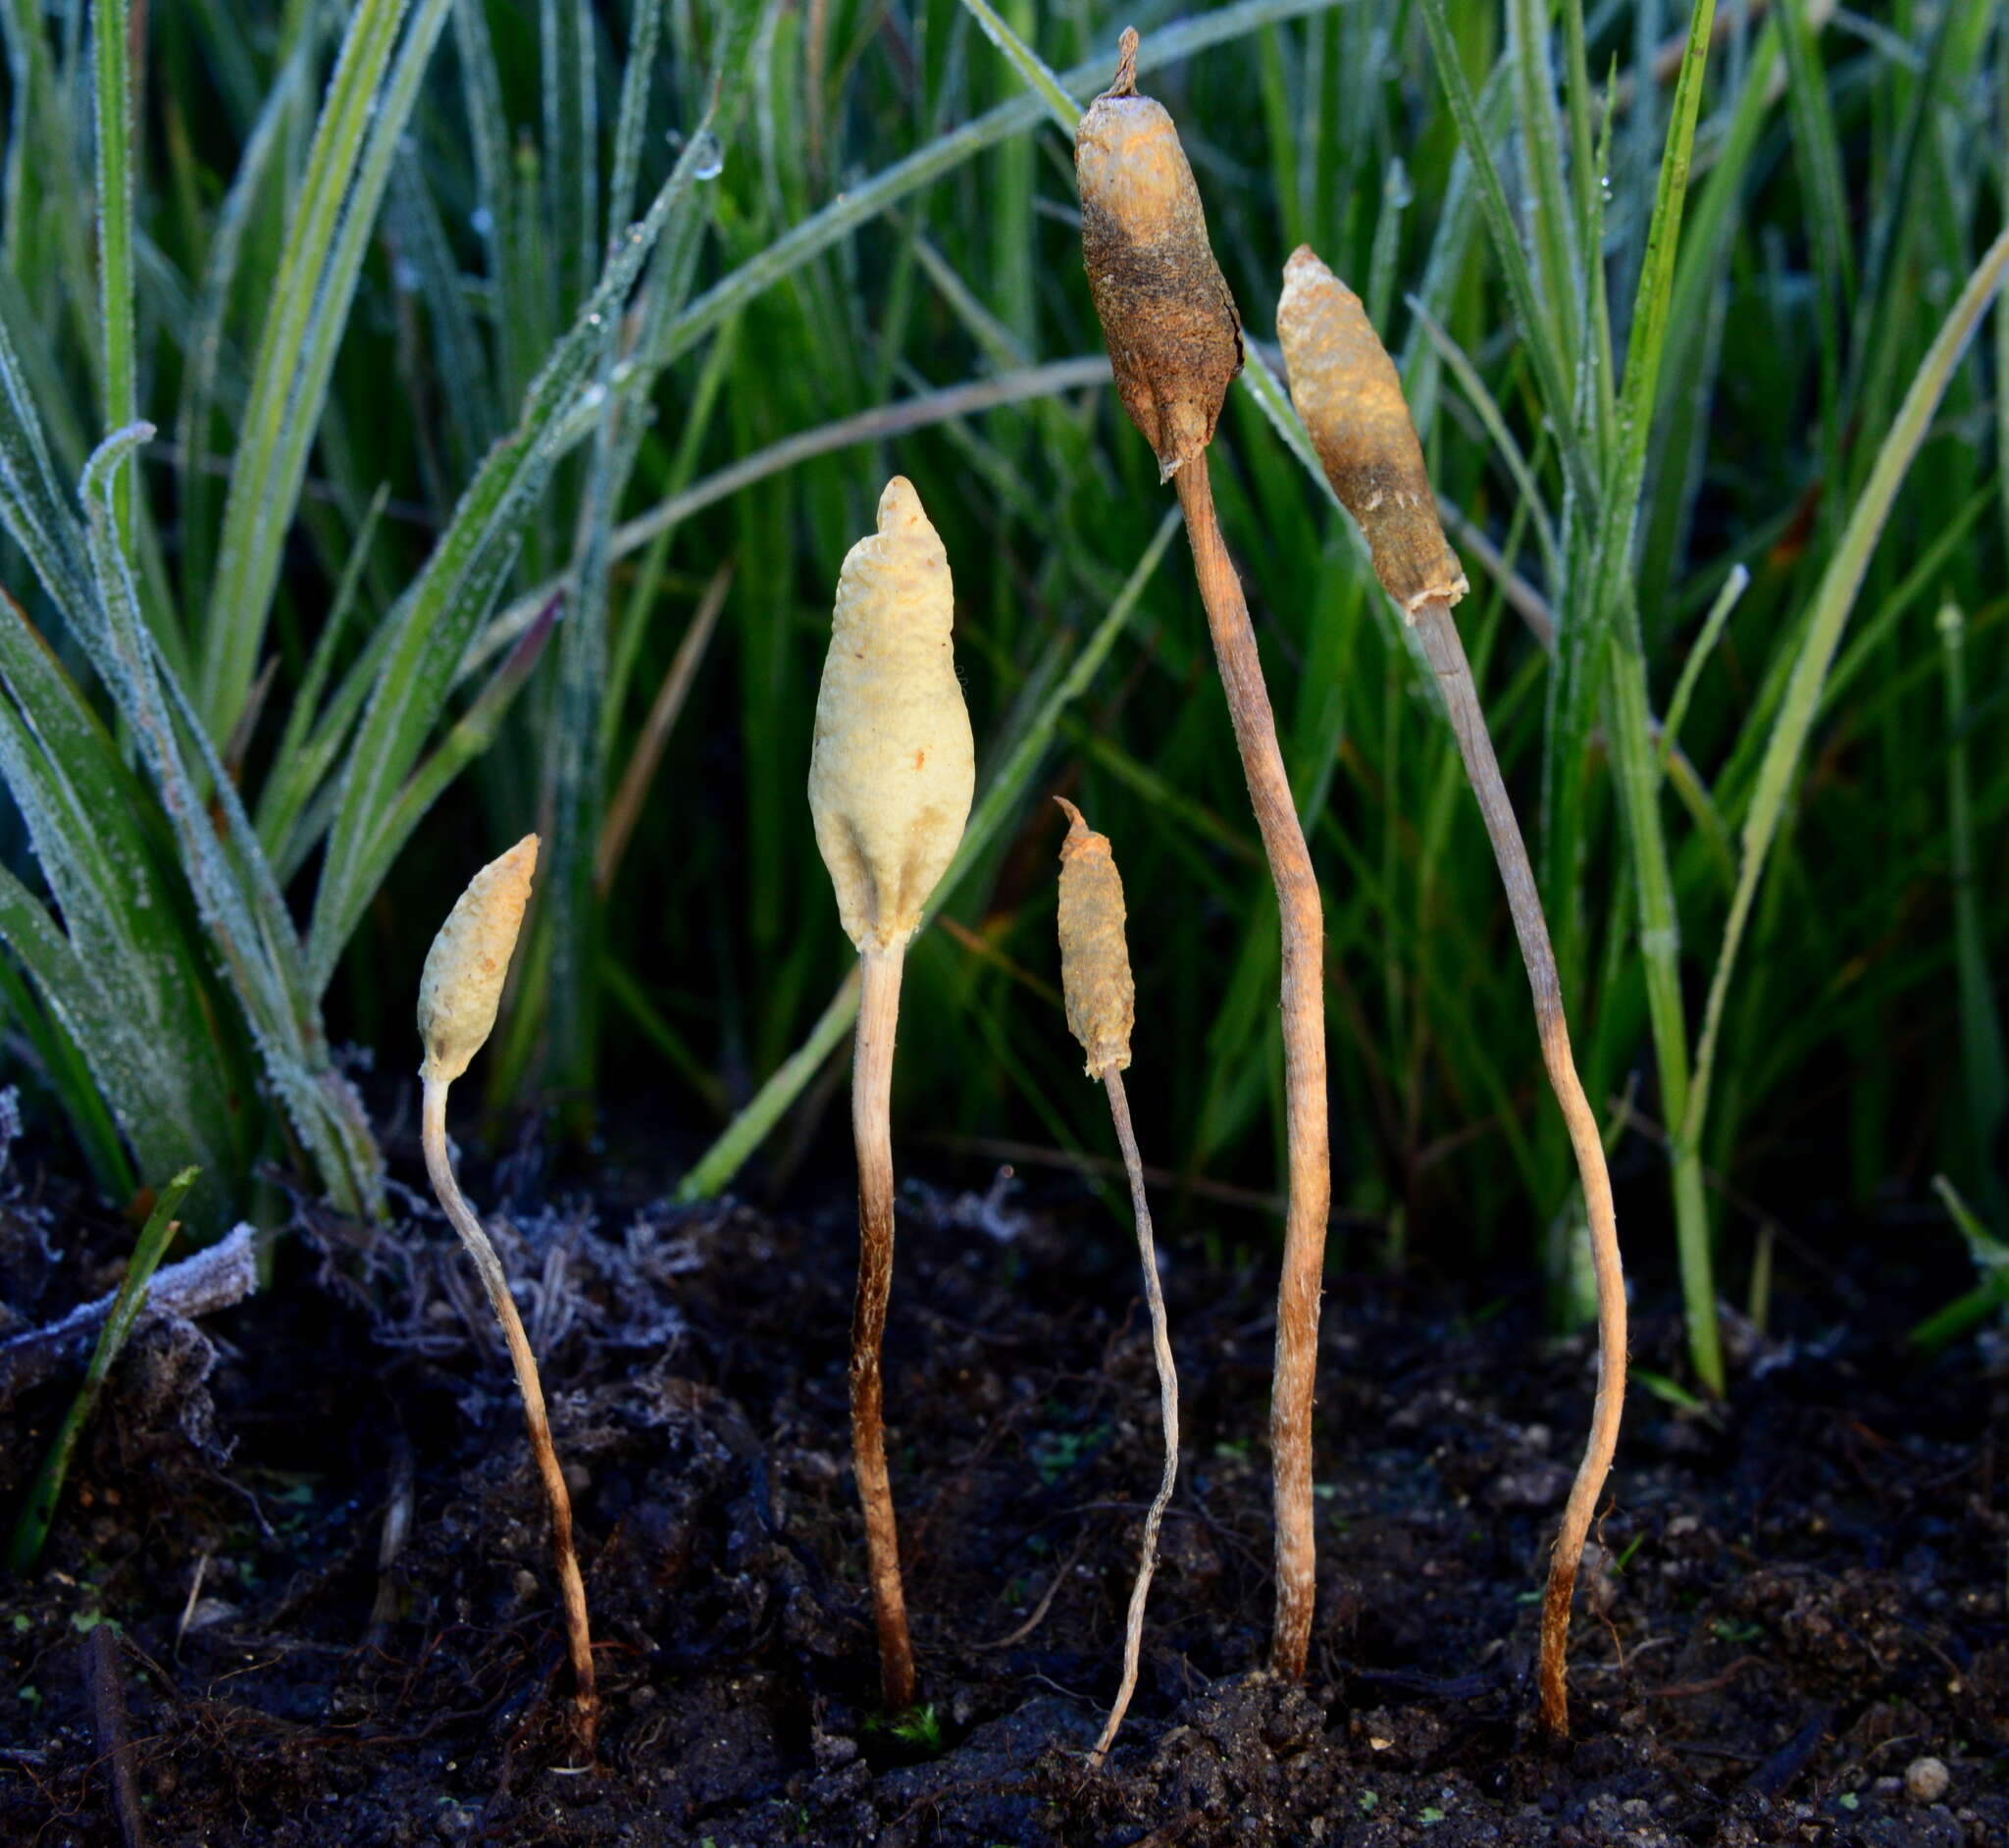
461 986
1175 337
1347 392
1095 958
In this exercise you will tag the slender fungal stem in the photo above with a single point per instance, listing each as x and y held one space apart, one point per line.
1445 652
1168 1411
1303 1063
871 1130
572 1589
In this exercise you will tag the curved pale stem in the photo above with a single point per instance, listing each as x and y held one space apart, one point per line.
1301 918
572 1589
1445 652
1168 1411
871 1131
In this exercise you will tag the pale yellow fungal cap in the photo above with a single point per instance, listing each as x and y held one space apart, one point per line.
894 765
462 983
1347 392
1094 958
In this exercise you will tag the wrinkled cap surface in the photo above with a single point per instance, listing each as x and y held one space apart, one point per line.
461 986
893 766
1347 392
1094 956
1175 337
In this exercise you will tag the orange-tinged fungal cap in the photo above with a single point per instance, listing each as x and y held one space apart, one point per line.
1175 337
1347 392
1095 958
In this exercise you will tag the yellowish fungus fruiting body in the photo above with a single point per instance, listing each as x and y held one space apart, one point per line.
893 767
1102 1009
1350 395
1175 337
1095 958
459 991
461 986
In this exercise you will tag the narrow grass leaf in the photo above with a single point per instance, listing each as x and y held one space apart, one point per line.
439 614
1833 602
38 1513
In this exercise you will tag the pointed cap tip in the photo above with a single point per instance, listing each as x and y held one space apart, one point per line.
901 512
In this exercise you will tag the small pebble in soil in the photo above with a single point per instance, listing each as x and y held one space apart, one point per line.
1926 1779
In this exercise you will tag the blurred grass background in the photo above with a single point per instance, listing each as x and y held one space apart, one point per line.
1660 524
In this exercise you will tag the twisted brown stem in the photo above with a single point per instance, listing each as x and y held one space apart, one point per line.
571 1587
871 1131
1301 919
1445 652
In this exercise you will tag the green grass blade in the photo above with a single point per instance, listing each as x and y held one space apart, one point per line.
571 144
1551 363
226 869
861 204
1635 762
204 377
111 34
1734 587
120 976
630 123
1990 1256
367 108
32 505
61 1063
1984 1064
440 615
1031 68
38 1512
1833 602
309 743
1558 270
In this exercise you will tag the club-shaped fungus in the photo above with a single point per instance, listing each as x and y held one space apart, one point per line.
1102 1006
1346 391
1175 341
459 991
1175 337
891 776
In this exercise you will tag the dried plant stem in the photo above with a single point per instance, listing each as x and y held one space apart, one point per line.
871 1130
1169 1410
1446 654
570 1588
1303 1063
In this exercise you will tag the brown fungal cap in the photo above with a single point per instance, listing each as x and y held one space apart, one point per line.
1095 958
1347 392
461 986
893 764
1175 337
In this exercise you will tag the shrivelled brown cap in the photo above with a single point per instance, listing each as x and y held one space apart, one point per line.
1094 959
1347 392
1175 337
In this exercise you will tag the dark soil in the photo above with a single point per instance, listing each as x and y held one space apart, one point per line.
1797 1599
